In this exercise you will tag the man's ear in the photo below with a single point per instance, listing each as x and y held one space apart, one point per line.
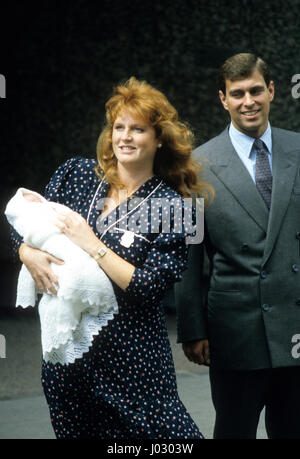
271 89
223 99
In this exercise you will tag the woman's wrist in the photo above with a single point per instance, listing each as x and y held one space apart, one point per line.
21 250
98 250
100 253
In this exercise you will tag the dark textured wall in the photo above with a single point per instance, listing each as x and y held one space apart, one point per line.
62 58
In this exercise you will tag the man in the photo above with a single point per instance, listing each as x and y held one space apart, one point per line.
247 327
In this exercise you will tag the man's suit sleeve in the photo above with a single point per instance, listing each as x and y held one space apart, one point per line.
190 298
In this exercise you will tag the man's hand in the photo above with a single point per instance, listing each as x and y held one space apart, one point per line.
197 351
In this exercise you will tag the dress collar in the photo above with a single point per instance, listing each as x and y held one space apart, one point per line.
147 187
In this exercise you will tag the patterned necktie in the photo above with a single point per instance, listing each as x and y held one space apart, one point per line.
263 175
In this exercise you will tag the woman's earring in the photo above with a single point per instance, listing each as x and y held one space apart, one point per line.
159 145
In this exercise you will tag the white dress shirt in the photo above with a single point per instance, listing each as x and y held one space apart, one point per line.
243 146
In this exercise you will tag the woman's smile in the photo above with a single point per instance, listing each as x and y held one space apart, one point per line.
127 148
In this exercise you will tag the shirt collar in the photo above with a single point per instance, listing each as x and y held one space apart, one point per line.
245 143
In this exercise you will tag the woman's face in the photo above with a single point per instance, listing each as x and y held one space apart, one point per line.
134 142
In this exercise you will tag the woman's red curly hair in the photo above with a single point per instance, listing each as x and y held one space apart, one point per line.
173 162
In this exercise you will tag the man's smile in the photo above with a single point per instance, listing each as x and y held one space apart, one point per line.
250 113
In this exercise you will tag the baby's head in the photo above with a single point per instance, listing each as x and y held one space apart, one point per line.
31 197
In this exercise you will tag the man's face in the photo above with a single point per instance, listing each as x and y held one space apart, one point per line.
248 102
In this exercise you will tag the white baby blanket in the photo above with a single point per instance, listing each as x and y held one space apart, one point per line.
85 299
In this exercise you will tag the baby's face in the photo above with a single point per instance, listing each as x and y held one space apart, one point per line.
31 197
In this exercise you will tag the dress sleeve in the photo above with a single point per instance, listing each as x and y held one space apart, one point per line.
60 186
59 189
16 241
190 298
164 265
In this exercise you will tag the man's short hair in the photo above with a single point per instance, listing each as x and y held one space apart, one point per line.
241 66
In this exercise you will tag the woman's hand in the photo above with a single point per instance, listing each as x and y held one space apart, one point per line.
75 227
38 264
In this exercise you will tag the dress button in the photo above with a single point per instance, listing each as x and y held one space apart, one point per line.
265 307
298 235
263 274
295 268
245 247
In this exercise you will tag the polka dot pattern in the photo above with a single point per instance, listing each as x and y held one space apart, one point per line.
125 386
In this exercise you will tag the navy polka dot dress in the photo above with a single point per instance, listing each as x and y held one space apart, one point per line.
125 386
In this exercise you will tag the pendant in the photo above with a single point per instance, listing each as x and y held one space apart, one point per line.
127 239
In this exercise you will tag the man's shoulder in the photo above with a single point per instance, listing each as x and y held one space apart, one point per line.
213 146
290 139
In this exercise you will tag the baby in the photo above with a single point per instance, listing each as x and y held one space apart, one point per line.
65 326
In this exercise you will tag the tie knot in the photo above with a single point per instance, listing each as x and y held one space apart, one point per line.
259 145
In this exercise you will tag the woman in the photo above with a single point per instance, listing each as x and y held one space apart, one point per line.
125 386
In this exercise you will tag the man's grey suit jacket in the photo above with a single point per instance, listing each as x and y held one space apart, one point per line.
251 312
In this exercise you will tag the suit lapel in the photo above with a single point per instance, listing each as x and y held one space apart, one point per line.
234 175
285 166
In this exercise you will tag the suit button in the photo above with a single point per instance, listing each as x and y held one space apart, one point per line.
266 307
245 247
295 268
298 301
263 274
298 235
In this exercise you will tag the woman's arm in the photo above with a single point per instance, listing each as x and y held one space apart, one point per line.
164 264
77 229
117 269
38 264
